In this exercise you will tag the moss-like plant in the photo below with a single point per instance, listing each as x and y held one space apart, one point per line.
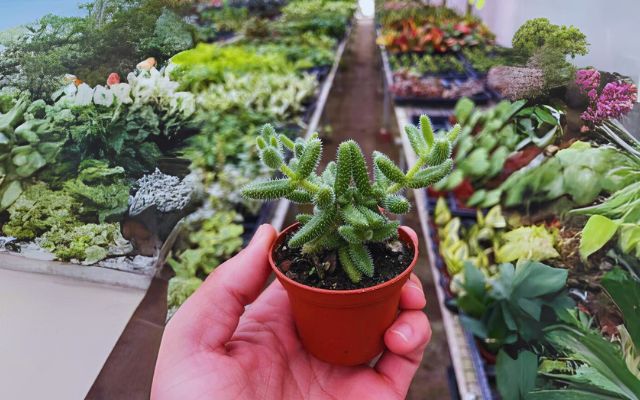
347 204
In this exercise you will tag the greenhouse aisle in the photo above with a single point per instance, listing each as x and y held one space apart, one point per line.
355 111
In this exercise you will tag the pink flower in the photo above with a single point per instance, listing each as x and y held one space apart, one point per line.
615 100
588 79
113 79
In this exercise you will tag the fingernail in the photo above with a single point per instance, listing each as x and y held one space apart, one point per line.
413 285
404 331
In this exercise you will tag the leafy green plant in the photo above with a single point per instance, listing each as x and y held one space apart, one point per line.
28 142
102 191
515 305
422 64
88 243
38 210
490 137
208 63
112 36
596 369
279 96
616 215
346 214
122 123
578 173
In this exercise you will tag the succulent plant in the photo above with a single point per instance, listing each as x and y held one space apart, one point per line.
347 213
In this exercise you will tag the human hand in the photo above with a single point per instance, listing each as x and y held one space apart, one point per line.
214 348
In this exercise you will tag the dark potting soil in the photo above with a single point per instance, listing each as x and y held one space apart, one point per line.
390 259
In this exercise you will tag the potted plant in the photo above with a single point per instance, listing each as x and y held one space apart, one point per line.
343 265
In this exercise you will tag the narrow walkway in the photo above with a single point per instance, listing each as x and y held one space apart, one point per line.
355 111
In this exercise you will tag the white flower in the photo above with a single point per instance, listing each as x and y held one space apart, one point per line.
84 96
102 96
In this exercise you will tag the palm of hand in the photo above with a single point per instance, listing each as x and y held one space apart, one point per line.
263 357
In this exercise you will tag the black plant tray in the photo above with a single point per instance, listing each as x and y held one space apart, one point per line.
478 98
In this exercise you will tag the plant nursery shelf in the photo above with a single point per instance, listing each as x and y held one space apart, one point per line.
470 377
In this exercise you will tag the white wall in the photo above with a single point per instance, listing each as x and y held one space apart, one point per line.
611 27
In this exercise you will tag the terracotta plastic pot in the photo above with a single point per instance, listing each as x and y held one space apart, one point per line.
344 327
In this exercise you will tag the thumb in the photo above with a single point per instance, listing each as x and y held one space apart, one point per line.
210 316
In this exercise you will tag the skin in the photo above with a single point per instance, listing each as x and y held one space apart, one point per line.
230 341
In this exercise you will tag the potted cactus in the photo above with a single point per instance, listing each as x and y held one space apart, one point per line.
344 264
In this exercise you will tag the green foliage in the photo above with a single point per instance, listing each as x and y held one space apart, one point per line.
211 239
27 144
170 36
103 191
179 290
491 136
579 172
624 289
317 16
421 64
84 242
346 201
527 243
515 305
275 94
601 372
113 37
516 377
208 63
121 124
38 210
539 32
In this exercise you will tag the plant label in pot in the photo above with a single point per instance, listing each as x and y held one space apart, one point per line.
344 265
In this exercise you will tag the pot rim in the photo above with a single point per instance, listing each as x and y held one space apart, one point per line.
379 286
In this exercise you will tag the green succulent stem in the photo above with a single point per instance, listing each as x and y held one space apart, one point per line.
304 183
420 162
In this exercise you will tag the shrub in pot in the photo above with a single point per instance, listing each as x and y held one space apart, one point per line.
343 265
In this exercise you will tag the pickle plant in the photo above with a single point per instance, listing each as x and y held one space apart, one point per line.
347 204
